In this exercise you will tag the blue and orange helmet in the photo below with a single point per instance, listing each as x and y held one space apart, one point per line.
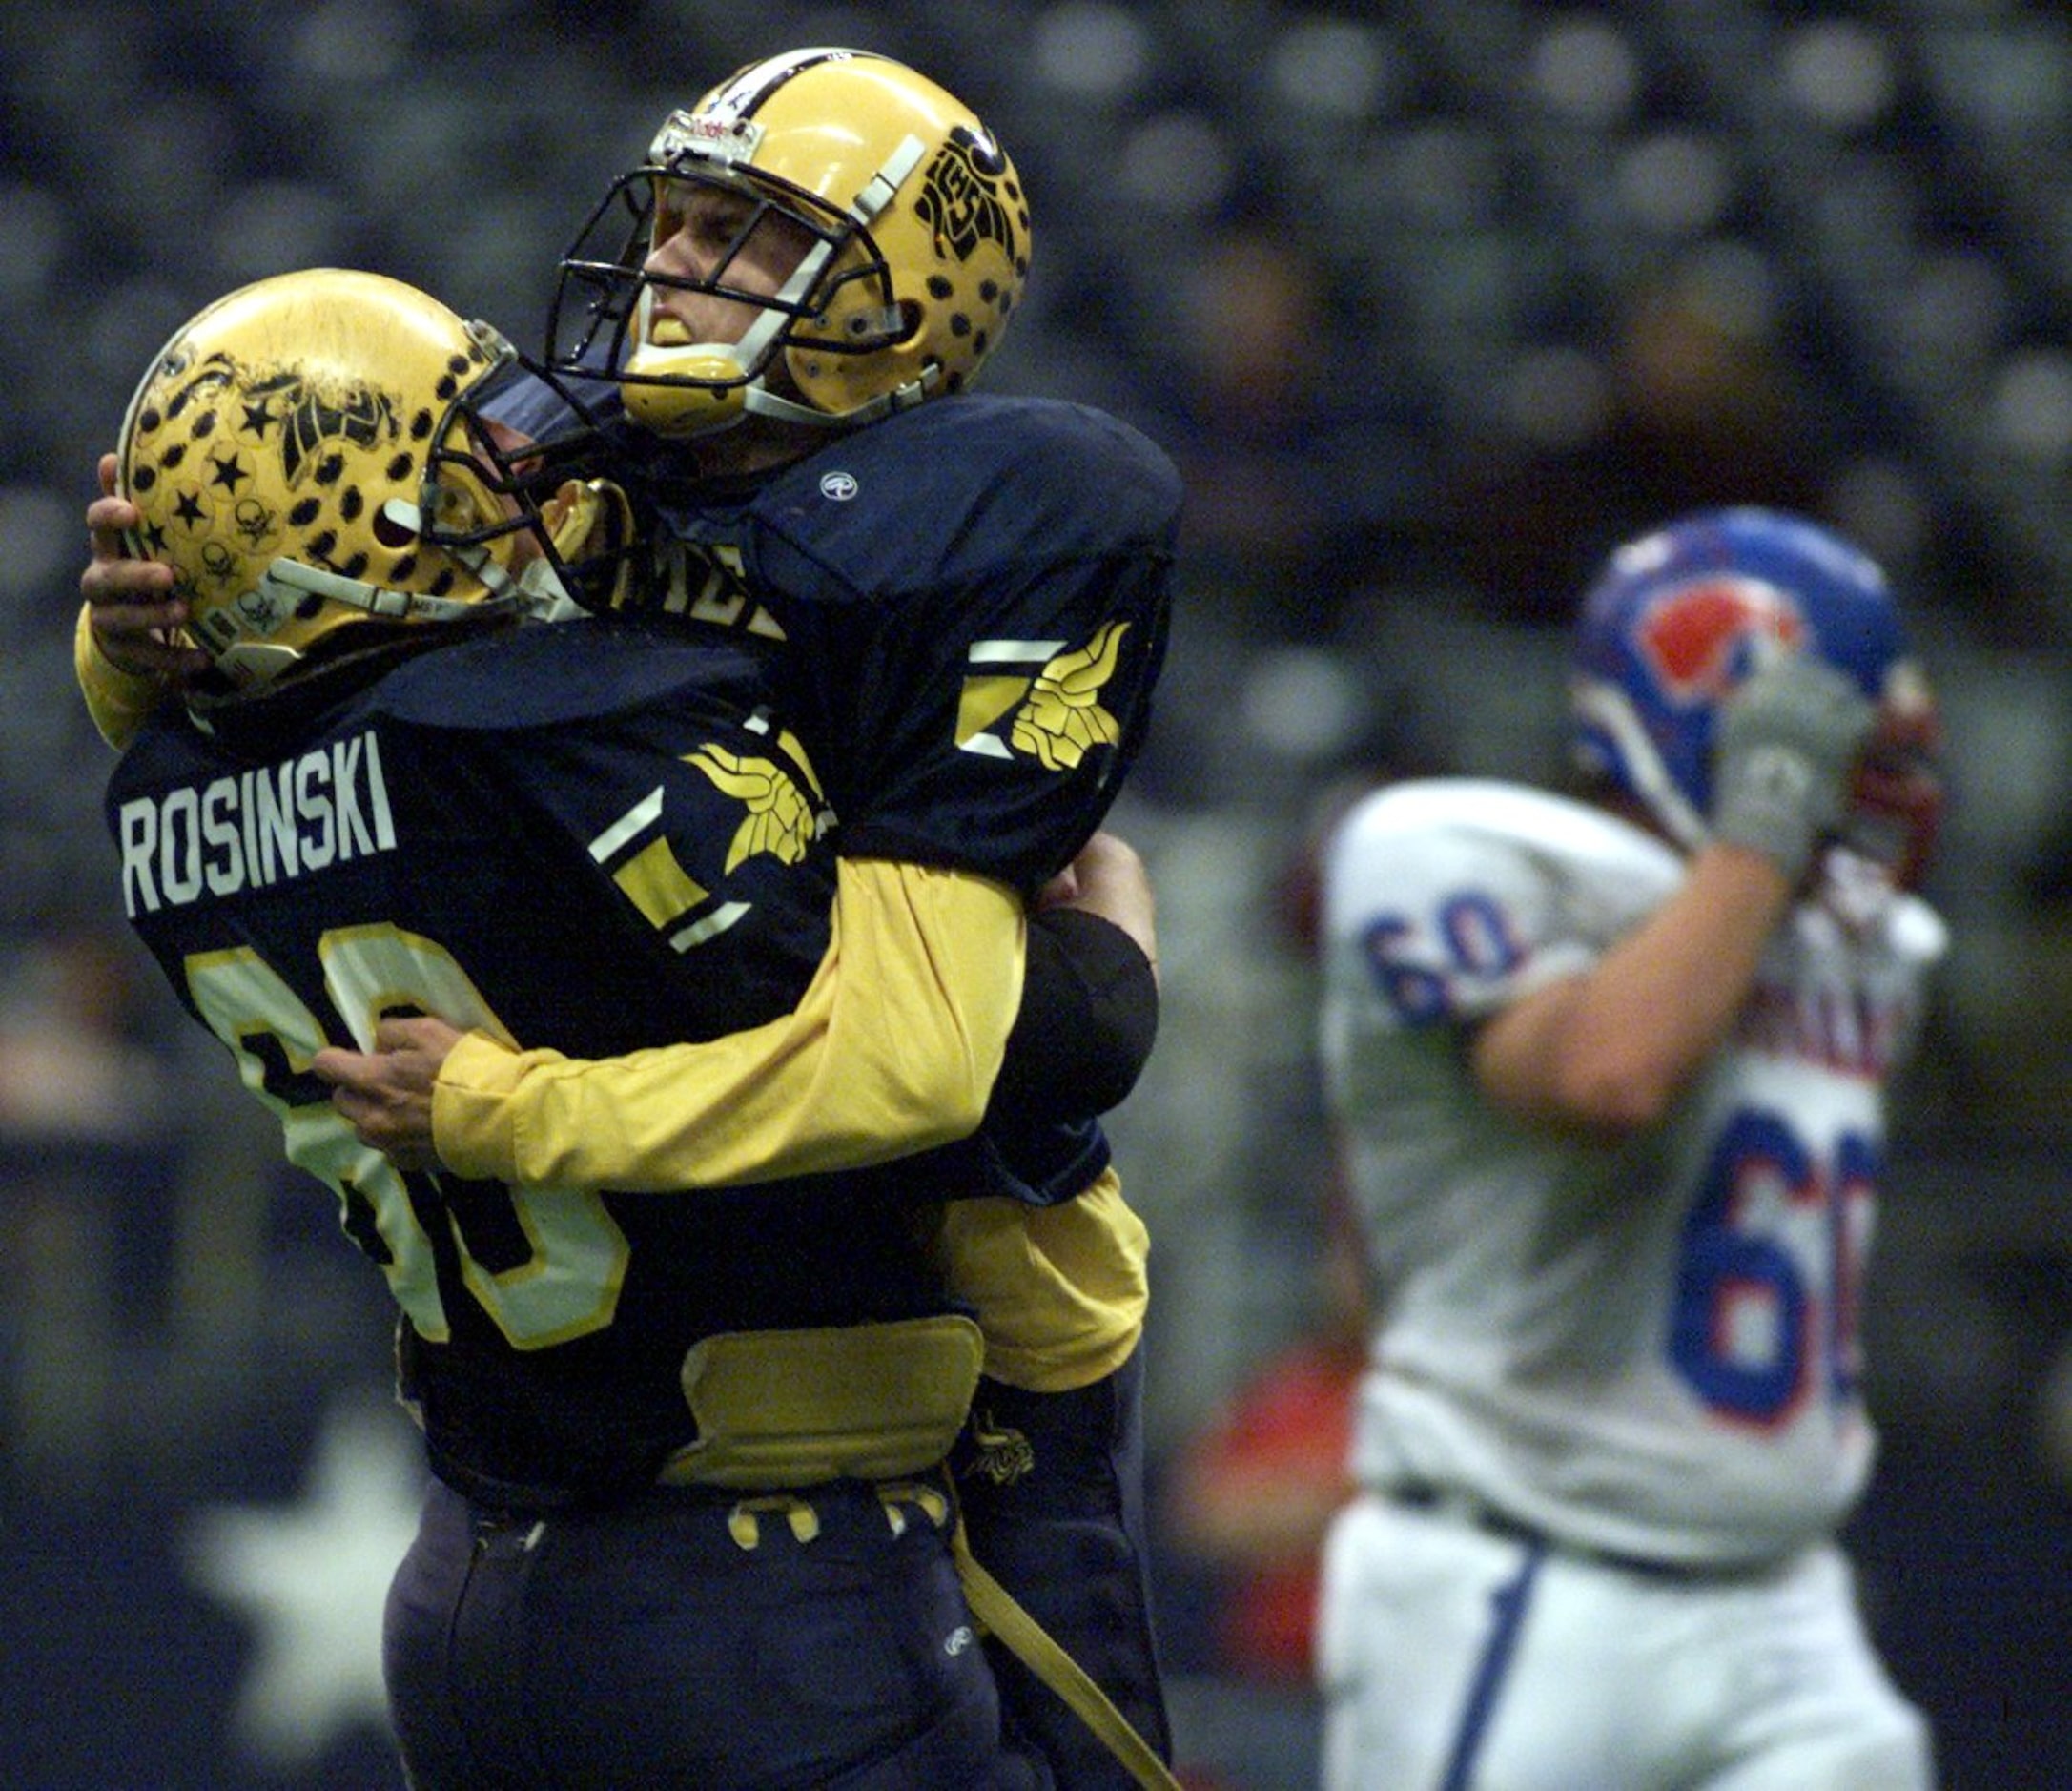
1680 616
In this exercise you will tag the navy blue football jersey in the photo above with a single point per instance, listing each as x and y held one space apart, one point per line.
974 597
974 594
596 836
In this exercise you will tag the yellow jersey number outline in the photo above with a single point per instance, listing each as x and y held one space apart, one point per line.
569 1285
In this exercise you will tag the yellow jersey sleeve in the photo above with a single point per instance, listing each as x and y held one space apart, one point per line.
1061 1291
894 1048
116 700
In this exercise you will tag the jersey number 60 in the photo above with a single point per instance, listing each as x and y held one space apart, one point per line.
1757 1323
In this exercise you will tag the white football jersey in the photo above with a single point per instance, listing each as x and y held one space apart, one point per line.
1648 1347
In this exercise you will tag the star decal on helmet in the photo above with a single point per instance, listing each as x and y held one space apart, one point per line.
268 456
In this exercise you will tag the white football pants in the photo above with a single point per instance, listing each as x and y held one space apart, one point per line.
1455 1659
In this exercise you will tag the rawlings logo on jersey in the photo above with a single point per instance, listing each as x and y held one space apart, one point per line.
1052 713
960 197
1701 638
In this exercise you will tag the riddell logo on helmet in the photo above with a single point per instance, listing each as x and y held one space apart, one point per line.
706 133
1700 638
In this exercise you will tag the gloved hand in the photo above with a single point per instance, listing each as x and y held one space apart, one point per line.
1785 744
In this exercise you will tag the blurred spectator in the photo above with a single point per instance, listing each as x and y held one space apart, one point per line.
1252 1495
72 1066
81 1112
1300 457
1693 407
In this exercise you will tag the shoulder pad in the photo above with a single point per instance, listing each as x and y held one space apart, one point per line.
954 487
1581 844
545 675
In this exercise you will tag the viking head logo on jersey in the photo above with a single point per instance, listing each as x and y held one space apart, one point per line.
1681 616
1040 699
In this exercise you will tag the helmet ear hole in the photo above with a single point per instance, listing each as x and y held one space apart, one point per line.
392 532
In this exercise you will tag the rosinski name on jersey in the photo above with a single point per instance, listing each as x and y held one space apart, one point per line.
258 828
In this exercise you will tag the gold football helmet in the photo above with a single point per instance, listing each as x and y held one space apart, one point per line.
305 454
917 250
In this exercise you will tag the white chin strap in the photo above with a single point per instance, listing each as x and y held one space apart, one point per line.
296 579
721 368
292 578
1606 708
767 404
542 596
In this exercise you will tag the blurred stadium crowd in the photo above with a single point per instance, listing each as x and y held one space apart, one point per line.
1433 305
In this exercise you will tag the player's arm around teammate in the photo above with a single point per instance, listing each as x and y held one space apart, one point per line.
974 593
1092 1033
1038 1275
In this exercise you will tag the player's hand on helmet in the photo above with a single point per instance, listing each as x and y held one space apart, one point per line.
1787 746
385 1094
136 614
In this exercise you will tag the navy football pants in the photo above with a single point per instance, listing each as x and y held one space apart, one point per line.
1065 1536
639 1644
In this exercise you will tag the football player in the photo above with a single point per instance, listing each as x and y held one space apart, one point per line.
973 602
688 1523
1612 1078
